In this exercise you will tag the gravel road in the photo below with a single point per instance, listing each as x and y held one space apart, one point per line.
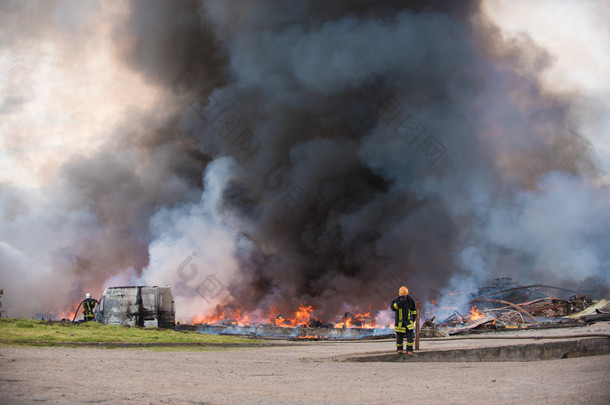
291 373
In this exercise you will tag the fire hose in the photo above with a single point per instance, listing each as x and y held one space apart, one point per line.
76 312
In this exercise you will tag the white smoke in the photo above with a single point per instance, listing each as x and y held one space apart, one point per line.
562 225
193 247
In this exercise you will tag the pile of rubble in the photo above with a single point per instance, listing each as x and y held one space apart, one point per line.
519 307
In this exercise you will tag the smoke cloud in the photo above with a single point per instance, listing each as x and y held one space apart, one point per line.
268 154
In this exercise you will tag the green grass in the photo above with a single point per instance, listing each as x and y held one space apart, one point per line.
29 332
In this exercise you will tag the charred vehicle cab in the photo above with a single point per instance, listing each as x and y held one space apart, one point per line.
147 306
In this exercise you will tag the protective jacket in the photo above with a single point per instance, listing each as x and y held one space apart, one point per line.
405 313
88 305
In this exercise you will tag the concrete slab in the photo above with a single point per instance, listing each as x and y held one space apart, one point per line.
536 345
589 346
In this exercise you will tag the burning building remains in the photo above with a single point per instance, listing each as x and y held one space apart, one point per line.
277 160
503 305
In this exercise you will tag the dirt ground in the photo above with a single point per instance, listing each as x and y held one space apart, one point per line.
294 373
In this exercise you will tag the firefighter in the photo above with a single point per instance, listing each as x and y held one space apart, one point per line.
404 307
88 305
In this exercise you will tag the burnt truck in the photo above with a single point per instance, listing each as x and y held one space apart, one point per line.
147 306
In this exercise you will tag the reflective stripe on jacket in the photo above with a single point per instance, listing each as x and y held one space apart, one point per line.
405 314
88 305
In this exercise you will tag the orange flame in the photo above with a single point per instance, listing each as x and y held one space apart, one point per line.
234 317
303 316
279 320
475 314
309 337
363 321
69 317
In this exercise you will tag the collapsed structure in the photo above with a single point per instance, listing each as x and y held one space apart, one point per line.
502 305
537 305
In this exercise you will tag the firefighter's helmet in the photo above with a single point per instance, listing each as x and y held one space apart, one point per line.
88 295
403 291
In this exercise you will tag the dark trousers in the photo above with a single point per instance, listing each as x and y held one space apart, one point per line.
410 340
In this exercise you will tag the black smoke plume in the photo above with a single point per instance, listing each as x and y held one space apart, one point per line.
325 153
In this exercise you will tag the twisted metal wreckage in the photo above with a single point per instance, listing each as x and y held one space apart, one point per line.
520 307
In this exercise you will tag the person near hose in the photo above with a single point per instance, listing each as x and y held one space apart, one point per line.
404 308
88 305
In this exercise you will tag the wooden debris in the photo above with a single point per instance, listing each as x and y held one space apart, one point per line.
489 319
517 307
597 316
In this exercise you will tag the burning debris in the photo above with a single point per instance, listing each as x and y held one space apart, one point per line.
228 319
70 316
600 311
230 315
499 306
310 338
276 160
519 307
356 320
